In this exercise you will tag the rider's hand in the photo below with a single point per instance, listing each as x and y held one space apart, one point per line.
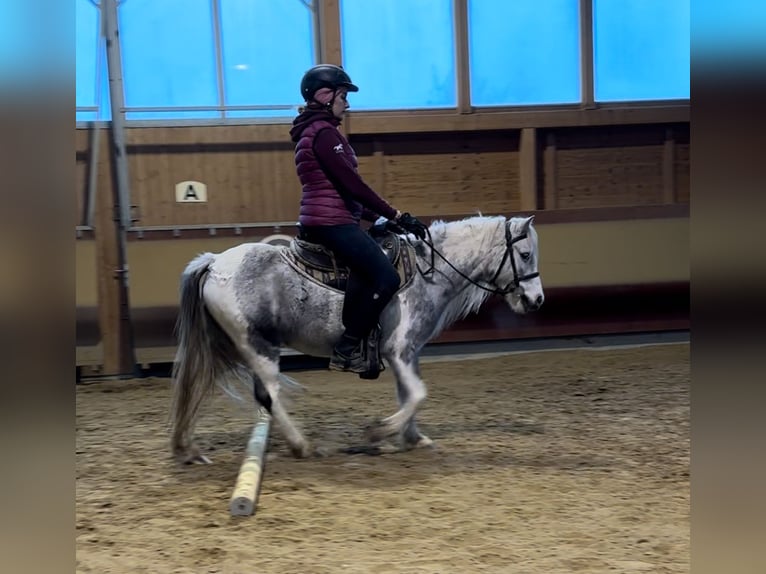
413 225
394 227
383 226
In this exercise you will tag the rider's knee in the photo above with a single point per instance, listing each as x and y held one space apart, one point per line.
389 283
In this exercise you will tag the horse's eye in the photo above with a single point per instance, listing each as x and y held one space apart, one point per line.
525 256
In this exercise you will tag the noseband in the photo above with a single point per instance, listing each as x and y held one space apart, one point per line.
515 282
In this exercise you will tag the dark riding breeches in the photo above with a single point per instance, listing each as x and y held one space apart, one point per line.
372 279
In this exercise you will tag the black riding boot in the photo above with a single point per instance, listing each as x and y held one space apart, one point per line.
348 356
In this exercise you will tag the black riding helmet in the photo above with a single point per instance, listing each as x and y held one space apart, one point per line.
325 76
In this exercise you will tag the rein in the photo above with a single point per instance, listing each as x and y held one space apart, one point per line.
509 241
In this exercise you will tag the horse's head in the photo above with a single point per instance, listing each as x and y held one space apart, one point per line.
517 276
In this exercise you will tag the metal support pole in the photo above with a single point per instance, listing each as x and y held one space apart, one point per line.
219 56
122 360
114 66
313 6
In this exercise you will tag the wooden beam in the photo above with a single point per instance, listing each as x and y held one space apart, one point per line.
380 167
668 168
431 121
328 17
462 63
113 310
549 172
528 169
587 88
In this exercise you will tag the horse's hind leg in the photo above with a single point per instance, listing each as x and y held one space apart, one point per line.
413 438
265 365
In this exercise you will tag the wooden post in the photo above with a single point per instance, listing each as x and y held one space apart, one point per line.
462 60
328 29
549 172
380 166
113 221
528 169
113 312
668 168
328 41
587 88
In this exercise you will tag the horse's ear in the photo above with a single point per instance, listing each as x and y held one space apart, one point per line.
527 223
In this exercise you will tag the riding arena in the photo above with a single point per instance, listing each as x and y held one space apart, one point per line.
519 405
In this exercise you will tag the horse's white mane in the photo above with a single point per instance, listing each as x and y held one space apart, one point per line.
467 228
469 236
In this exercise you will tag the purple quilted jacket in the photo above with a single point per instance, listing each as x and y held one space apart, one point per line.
333 191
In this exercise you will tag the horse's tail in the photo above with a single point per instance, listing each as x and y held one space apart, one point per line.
205 355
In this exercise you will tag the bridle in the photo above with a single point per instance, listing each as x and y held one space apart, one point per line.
516 281
509 241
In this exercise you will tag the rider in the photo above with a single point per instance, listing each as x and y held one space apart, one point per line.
334 200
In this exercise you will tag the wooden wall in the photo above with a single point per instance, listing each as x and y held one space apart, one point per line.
616 166
249 172
250 175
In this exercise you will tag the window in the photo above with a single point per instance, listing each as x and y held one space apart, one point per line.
168 57
91 64
641 49
171 59
215 59
401 53
524 52
267 46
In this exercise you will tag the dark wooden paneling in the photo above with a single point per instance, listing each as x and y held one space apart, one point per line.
445 174
615 166
599 177
681 173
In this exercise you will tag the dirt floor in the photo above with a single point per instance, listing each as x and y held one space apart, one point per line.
548 462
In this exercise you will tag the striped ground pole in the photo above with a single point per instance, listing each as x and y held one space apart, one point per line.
244 498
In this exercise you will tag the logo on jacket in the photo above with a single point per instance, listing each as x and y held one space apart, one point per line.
338 148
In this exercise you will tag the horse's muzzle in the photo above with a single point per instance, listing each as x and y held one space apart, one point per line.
532 305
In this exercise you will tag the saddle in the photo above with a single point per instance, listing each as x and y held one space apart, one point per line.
320 265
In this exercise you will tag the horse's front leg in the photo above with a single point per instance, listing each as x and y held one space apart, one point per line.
411 392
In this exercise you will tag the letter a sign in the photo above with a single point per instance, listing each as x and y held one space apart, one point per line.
191 192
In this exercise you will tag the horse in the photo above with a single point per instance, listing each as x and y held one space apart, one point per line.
238 308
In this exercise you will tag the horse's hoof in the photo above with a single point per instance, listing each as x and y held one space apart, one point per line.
377 432
421 442
301 451
374 434
197 459
322 452
188 455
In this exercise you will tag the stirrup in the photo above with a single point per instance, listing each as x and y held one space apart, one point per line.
374 366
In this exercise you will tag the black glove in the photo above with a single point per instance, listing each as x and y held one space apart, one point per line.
411 224
394 227
384 226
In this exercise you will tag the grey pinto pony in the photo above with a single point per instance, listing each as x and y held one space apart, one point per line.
240 306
